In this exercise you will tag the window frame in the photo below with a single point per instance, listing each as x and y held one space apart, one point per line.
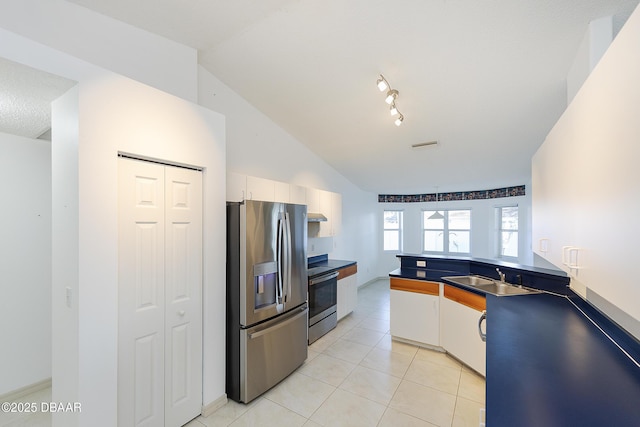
446 231
500 231
400 230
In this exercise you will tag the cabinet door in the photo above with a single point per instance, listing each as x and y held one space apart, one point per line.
415 311
313 200
557 204
325 208
460 313
297 194
347 290
352 292
336 214
342 299
260 189
236 187
281 193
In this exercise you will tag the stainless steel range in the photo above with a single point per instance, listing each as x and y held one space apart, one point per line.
323 299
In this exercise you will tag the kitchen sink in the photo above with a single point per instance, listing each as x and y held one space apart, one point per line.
490 286
470 280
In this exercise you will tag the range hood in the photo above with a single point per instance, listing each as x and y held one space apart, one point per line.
315 217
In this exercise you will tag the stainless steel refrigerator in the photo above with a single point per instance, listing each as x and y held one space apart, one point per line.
267 313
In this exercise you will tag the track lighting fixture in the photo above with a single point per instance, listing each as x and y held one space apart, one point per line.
391 97
382 83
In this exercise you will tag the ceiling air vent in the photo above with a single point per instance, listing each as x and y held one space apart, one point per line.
424 144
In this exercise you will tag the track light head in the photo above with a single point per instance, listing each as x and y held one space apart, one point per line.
391 96
382 83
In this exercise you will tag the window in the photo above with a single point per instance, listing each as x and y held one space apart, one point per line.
392 230
448 232
507 226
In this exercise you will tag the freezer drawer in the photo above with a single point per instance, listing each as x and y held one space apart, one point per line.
271 351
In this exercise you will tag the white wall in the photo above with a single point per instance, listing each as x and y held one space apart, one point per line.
118 114
25 261
259 147
483 228
65 253
110 44
115 113
585 182
594 44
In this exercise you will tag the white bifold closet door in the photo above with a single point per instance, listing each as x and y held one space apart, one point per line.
159 294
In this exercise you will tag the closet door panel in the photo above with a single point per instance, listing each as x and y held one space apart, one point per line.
183 334
141 293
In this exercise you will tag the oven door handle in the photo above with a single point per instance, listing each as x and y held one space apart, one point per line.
324 278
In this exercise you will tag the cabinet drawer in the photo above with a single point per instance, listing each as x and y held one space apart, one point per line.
417 286
475 301
347 271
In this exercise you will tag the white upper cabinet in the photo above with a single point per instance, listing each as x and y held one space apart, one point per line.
244 187
328 204
555 195
324 208
297 194
336 213
282 192
313 200
236 187
261 189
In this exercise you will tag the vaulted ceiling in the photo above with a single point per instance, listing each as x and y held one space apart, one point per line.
484 78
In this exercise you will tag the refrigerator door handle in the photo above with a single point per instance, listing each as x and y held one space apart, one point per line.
288 259
279 243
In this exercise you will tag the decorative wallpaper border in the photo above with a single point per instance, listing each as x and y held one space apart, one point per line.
460 195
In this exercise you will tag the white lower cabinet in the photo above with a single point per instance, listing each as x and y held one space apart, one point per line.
347 290
415 311
460 313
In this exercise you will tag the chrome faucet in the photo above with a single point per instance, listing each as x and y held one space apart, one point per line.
501 275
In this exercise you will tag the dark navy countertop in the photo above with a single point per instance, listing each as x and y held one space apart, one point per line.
548 364
419 274
534 277
321 264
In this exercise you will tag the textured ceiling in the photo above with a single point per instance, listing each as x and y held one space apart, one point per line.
25 98
485 78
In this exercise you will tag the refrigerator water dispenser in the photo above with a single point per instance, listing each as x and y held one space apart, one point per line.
265 278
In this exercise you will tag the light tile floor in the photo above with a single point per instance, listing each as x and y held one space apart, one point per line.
35 419
356 375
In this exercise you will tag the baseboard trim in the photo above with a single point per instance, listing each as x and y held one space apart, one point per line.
212 407
375 279
419 344
26 390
